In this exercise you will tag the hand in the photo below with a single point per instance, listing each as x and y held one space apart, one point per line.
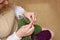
3 3
25 30
30 16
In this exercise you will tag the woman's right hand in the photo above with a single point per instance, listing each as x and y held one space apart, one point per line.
25 30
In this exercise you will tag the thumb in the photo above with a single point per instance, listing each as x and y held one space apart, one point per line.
30 24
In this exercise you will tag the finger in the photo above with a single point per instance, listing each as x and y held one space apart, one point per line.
27 27
30 24
32 16
31 30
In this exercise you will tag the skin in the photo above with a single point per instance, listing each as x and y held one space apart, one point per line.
26 29
3 3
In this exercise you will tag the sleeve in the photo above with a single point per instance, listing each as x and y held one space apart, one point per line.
13 37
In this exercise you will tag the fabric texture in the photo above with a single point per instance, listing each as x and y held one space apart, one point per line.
13 37
6 23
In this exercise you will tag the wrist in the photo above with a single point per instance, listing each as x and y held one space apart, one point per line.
18 35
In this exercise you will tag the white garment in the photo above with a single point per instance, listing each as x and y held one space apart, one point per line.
18 11
13 37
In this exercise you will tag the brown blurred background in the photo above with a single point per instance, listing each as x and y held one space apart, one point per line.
47 12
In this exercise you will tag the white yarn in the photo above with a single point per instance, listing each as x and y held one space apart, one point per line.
19 11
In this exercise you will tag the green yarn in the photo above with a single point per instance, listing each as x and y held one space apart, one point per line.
37 29
25 21
21 22
26 38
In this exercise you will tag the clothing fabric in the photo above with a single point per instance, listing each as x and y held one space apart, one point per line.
13 37
18 11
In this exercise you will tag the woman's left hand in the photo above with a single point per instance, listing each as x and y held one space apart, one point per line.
30 16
